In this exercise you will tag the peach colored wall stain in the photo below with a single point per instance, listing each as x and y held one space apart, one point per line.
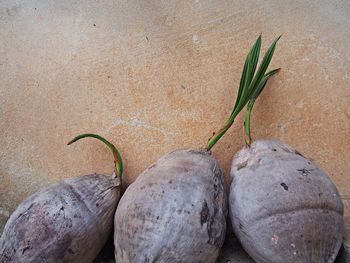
153 76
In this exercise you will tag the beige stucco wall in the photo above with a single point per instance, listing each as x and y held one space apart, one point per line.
153 76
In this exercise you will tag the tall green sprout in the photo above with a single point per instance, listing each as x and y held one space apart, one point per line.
251 84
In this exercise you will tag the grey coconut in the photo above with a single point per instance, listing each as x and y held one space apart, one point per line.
283 207
173 212
67 222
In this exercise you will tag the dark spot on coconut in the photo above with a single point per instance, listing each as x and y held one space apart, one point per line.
298 153
179 211
241 165
204 215
163 192
142 187
304 171
274 150
212 227
70 251
152 166
170 181
29 208
214 236
157 217
97 204
25 249
285 187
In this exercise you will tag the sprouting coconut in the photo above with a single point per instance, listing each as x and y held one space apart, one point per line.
67 222
175 210
283 207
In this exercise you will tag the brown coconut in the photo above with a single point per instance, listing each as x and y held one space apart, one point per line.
283 207
67 222
173 212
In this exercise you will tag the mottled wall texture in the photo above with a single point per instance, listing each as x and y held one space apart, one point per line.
153 76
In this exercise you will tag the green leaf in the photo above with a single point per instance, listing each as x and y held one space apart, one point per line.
258 90
261 85
272 72
248 71
263 66
254 59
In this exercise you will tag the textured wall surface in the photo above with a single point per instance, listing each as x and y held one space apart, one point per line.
153 76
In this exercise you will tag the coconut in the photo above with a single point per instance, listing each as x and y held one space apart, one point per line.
283 207
67 222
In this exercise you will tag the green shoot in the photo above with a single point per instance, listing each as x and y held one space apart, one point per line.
262 84
118 163
251 84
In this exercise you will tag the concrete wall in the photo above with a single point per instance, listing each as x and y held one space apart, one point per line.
153 76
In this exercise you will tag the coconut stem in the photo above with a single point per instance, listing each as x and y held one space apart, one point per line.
118 162
248 138
249 86
250 105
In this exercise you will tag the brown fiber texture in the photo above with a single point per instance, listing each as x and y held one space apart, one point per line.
67 222
283 207
174 212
